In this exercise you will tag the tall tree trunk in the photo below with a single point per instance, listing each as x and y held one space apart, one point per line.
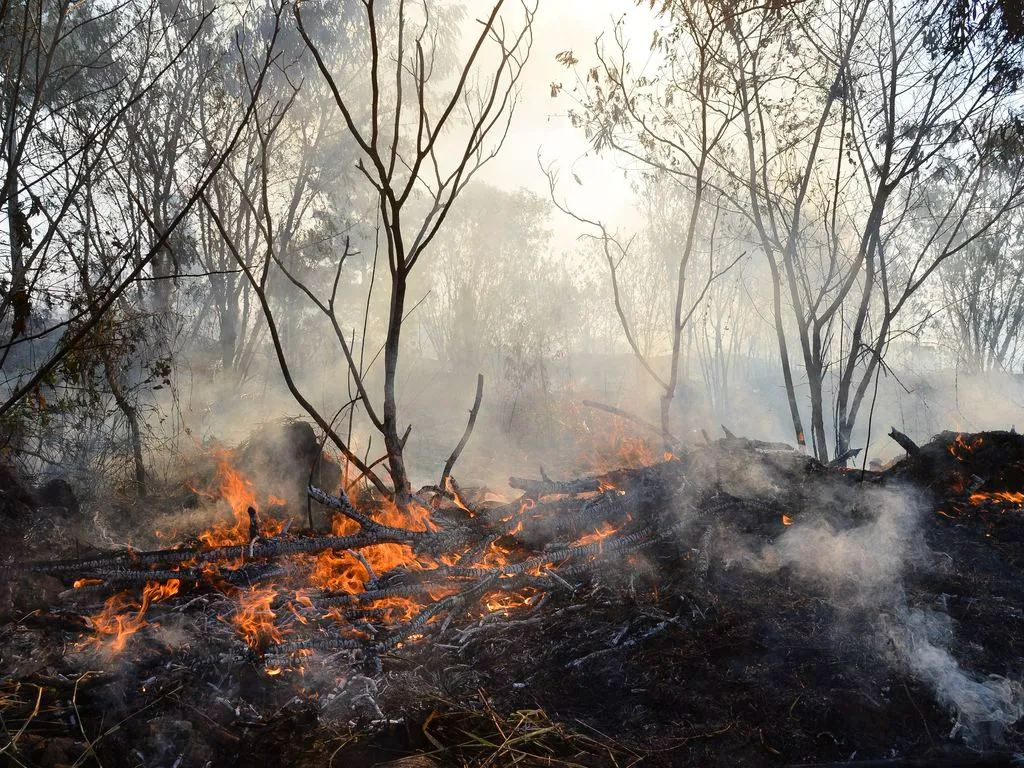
780 336
18 233
392 438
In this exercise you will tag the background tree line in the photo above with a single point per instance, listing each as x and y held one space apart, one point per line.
211 206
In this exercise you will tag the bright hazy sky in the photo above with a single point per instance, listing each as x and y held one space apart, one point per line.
541 123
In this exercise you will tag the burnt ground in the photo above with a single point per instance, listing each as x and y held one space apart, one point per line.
720 646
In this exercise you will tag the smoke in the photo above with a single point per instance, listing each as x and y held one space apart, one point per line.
983 708
863 564
858 545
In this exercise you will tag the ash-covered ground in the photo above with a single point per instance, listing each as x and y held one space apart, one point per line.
784 613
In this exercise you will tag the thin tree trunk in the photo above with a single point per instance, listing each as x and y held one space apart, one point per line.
392 438
132 417
16 231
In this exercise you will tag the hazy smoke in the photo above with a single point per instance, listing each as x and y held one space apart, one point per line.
983 709
862 564
863 567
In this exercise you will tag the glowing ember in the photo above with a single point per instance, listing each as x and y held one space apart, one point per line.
787 520
999 497
506 601
496 556
1003 500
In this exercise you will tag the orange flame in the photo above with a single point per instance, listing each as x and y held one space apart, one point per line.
607 443
960 448
1005 497
122 616
507 601
496 556
254 619
605 530
457 497
238 492
338 573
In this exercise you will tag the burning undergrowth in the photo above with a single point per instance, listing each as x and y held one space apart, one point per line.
735 604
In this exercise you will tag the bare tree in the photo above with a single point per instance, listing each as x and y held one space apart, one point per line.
419 143
827 122
625 113
982 288
832 197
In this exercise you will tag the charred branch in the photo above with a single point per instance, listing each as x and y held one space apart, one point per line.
448 465
905 442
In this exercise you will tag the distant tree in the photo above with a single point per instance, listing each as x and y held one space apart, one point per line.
485 259
75 75
982 287
96 189
674 124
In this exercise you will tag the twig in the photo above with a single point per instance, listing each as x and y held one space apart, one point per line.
844 457
341 503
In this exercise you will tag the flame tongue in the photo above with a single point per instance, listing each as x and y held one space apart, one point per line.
238 492
255 617
605 530
962 448
997 497
122 616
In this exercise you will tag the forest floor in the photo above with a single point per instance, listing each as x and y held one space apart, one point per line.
804 614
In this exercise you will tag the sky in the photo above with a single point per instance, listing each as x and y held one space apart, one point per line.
541 123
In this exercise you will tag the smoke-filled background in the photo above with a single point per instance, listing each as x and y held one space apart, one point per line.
798 220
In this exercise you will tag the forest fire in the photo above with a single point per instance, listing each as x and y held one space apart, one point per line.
258 608
261 258
354 594
267 616
390 584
